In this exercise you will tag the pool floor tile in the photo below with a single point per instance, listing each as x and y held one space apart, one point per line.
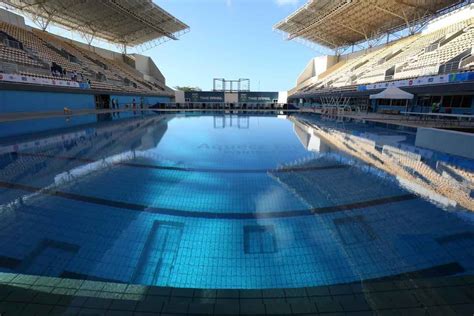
303 308
118 313
21 296
123 305
46 298
36 309
326 304
98 303
11 308
227 309
278 309
175 308
64 311
150 305
201 309
249 308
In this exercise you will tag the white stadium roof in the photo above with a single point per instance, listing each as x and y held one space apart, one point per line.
127 22
341 23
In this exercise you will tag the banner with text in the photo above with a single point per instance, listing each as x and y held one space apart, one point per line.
204 96
258 97
421 81
40 81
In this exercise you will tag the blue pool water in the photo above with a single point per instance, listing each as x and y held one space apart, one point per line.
213 201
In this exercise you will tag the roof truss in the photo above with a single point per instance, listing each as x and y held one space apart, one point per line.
342 23
128 22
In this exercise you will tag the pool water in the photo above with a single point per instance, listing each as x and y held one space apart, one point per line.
215 202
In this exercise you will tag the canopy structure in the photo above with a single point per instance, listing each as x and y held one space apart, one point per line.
342 23
392 93
127 22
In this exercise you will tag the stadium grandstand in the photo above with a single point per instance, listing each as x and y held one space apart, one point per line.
35 61
422 48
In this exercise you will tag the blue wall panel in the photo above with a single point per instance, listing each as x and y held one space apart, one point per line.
12 101
15 101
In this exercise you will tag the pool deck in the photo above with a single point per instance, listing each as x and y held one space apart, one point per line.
33 295
9 117
373 117
411 121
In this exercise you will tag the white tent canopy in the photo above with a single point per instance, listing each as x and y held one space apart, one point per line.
392 93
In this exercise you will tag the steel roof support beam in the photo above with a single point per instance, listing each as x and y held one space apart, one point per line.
87 34
333 45
363 33
119 8
412 5
320 21
34 3
103 17
387 10
40 20
403 17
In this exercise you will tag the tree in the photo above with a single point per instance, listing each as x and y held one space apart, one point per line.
187 89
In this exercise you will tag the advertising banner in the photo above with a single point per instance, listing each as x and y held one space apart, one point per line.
40 81
258 97
204 96
421 81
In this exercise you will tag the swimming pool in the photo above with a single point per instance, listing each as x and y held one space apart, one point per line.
225 202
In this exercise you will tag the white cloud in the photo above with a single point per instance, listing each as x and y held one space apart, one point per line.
287 2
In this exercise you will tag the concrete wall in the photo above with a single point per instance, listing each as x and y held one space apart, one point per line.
315 67
231 97
12 101
450 142
146 66
179 96
12 18
283 97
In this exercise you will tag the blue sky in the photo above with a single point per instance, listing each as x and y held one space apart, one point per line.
232 39
228 39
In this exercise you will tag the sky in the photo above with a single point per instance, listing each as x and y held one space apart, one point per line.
229 39
232 39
